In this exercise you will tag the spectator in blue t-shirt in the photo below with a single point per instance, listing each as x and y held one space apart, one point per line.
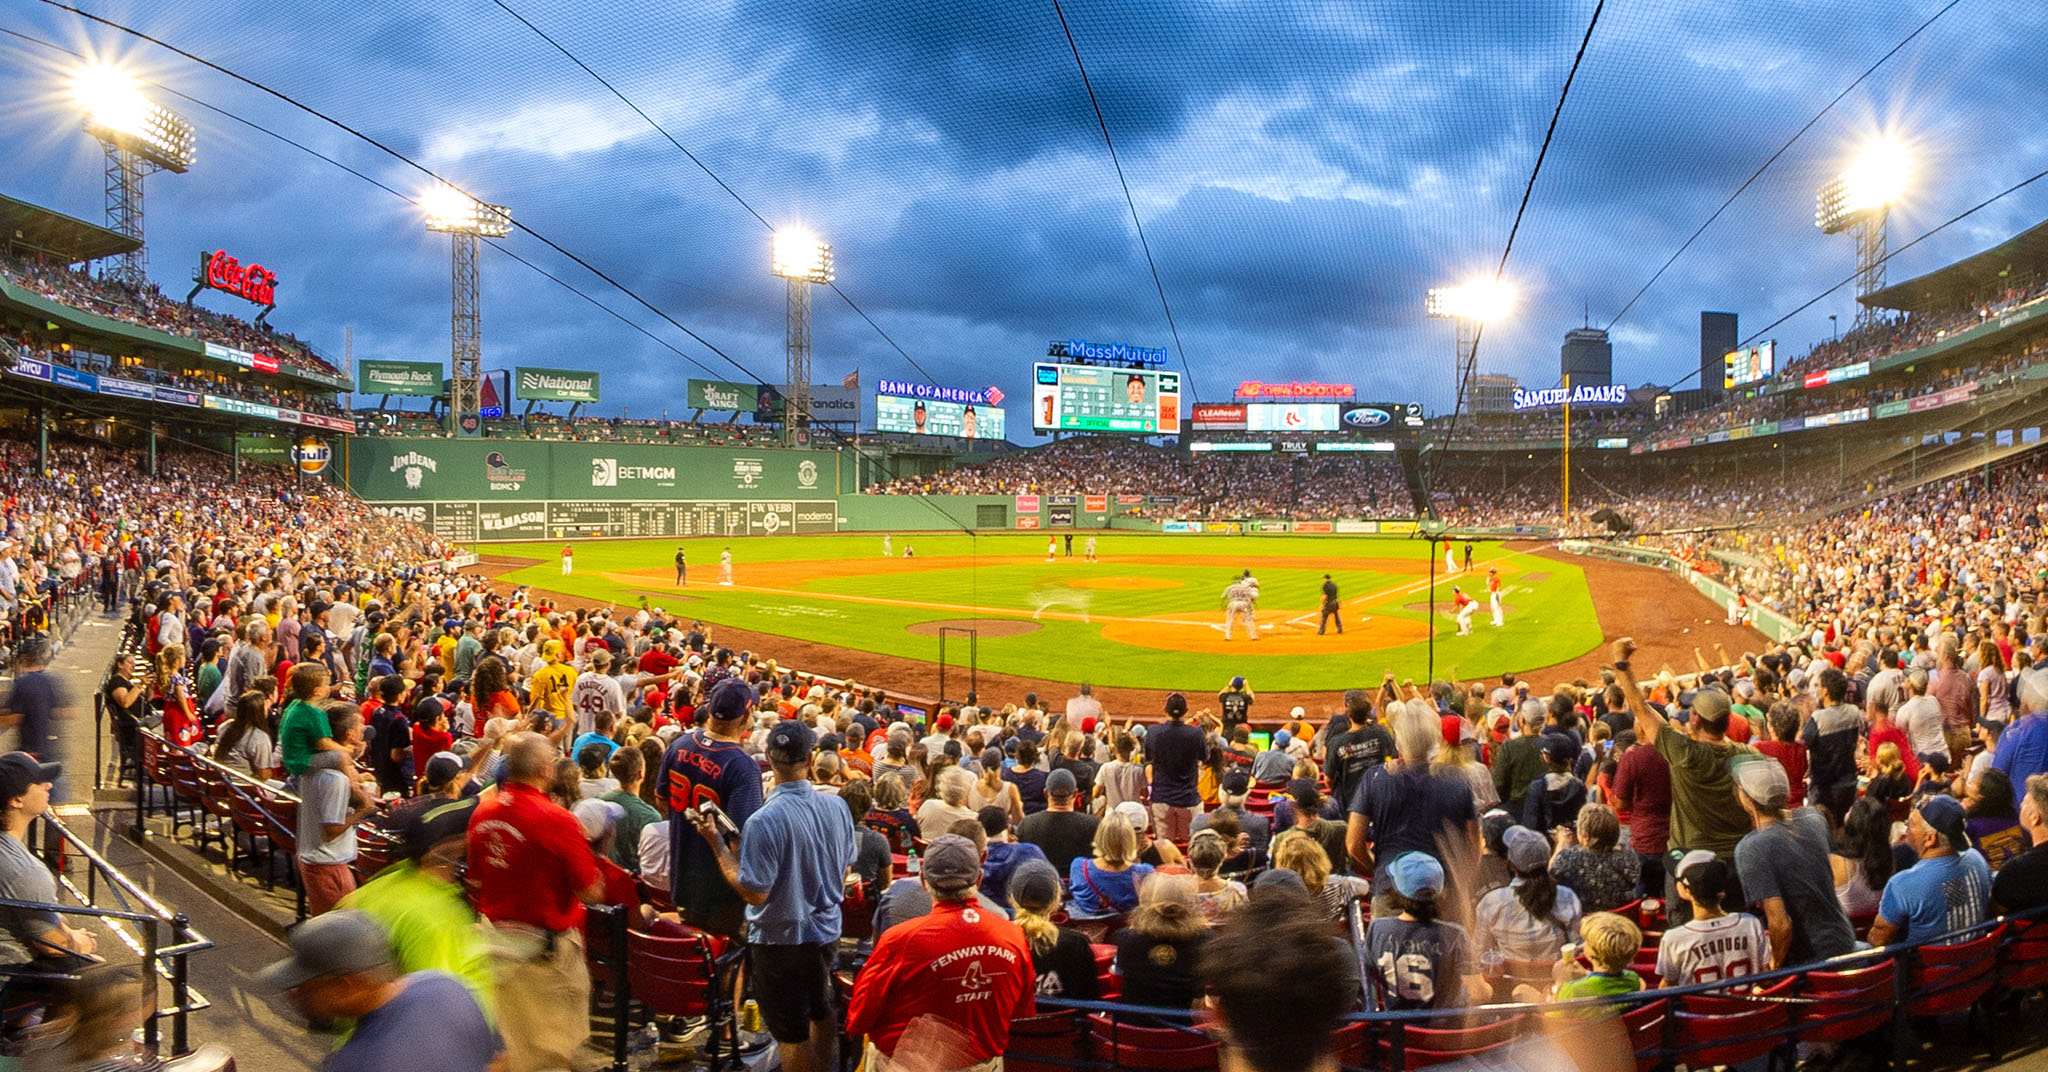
1004 853
1174 751
707 766
1949 889
1107 885
2023 749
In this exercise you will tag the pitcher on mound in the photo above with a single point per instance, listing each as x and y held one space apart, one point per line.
1240 602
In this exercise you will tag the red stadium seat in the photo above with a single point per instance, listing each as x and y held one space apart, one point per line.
1949 978
1422 1047
1151 1049
1733 1031
1052 1042
2023 960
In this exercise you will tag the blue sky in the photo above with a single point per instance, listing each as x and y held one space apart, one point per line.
1304 172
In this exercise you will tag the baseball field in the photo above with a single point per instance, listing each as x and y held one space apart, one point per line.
1148 613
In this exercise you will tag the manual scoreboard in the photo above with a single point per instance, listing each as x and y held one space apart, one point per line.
1092 398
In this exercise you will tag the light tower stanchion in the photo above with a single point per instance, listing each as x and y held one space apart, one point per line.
465 334
796 398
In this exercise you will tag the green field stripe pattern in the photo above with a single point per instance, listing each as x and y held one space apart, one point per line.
1551 620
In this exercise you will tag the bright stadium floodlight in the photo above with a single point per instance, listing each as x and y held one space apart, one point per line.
467 222
139 136
1481 300
798 257
1860 200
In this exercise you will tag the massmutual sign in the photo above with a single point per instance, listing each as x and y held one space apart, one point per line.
1612 394
553 385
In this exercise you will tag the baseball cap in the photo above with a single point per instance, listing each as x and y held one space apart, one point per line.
951 863
945 722
790 742
1527 849
19 771
1059 783
730 699
1693 859
1237 682
1558 749
1297 712
1034 884
442 768
1237 783
442 822
334 943
1762 779
1135 814
1945 815
596 816
1710 705
1088 724
1176 705
1417 876
1280 877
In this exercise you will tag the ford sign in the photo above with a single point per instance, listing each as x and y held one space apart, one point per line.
1366 417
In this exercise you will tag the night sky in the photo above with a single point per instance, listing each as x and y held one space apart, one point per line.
1303 172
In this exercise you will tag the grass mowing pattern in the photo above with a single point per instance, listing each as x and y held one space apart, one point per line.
823 594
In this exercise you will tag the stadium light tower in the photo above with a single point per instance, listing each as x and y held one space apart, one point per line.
802 260
139 136
467 222
1469 306
1861 199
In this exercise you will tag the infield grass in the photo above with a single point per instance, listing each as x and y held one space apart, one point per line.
1147 615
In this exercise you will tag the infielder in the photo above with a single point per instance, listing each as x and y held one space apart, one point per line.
1493 596
1240 601
1738 611
1052 547
725 566
1088 551
1450 558
568 560
885 546
1466 607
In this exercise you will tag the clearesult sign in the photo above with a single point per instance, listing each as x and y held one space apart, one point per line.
398 378
723 396
553 385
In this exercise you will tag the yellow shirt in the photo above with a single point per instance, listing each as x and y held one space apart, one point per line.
549 688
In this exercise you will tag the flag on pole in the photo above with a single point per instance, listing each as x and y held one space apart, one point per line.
852 381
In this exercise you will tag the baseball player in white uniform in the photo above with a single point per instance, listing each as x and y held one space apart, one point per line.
725 566
1450 558
1089 551
1240 601
1493 597
885 546
1466 607
1052 548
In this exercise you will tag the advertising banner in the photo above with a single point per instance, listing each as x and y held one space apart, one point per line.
230 355
1313 526
1398 528
553 385
1095 504
77 381
1129 500
1062 500
1027 504
834 404
918 416
1304 417
1060 517
31 369
1215 417
1028 522
398 378
125 389
174 396
722 395
1356 527
1180 526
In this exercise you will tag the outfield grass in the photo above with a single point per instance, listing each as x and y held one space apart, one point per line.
1162 610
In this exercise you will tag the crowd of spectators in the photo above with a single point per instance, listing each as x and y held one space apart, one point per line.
149 307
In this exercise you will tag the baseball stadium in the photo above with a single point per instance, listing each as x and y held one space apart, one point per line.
953 538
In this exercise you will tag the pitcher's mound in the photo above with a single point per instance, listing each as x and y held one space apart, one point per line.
1128 584
988 627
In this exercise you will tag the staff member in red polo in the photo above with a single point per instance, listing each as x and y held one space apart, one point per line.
945 987
532 873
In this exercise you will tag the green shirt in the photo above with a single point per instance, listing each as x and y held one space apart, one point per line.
626 832
300 731
466 651
431 927
209 680
1704 812
1597 985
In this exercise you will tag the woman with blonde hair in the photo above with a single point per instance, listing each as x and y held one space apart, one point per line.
1994 695
171 690
1156 954
1107 884
1459 760
990 790
1298 852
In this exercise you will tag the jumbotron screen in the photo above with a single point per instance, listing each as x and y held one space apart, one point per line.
1740 368
895 413
1090 398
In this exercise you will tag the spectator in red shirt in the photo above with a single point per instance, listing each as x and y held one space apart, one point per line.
532 872
1642 787
1784 746
944 987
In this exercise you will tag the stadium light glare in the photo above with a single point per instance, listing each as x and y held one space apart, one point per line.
797 254
1875 180
118 113
1481 300
450 210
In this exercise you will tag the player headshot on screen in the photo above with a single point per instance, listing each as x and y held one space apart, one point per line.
967 422
1134 389
917 416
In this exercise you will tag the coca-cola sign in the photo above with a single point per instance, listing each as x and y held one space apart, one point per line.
250 282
